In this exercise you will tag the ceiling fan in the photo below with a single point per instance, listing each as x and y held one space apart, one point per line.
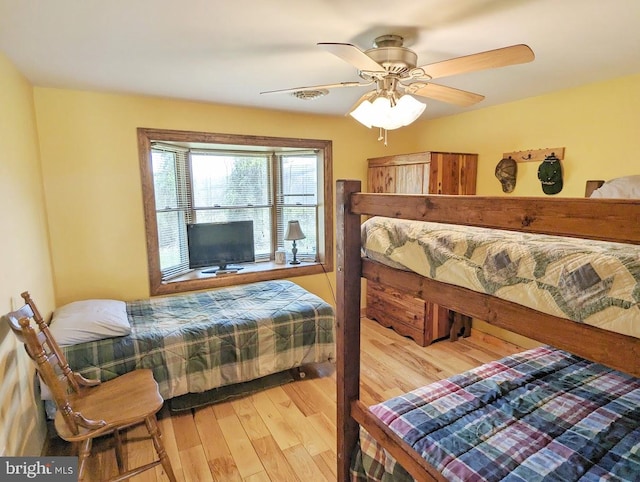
397 78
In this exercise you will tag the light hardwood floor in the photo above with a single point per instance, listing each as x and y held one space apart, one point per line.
288 433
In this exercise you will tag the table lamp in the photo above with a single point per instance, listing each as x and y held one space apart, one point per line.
294 233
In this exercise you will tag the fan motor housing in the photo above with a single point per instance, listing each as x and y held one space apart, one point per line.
390 53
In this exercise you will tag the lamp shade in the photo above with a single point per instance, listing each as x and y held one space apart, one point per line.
293 231
384 113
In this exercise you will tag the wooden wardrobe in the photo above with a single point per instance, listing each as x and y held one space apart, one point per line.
417 173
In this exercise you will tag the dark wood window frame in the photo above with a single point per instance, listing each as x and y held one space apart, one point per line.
262 271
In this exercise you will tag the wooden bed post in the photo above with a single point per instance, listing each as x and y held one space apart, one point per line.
349 268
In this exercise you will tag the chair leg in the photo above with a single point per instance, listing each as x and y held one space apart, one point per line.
156 436
84 450
118 448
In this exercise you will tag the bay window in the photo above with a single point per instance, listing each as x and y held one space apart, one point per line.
191 177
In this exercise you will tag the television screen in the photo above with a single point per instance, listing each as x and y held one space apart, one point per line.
219 245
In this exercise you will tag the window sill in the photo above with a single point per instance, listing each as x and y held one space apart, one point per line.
251 272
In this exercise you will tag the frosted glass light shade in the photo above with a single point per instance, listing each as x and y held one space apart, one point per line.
380 112
364 113
409 108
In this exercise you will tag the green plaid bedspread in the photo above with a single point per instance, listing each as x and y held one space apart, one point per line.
540 415
592 282
199 341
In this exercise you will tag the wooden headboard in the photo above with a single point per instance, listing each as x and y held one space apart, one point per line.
591 186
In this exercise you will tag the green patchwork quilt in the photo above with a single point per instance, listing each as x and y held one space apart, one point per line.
586 281
199 341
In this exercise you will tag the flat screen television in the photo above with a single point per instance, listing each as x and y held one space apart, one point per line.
219 246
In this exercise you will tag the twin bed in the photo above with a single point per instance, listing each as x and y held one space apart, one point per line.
199 341
567 410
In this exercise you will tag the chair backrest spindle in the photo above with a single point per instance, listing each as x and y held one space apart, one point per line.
20 323
50 362
51 343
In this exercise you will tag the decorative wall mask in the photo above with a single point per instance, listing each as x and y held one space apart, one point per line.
550 175
506 172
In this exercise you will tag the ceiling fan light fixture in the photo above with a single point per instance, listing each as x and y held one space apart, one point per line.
386 113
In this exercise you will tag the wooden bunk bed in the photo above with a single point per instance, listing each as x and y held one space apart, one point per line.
604 219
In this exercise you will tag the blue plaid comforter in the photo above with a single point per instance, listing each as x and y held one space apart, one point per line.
199 341
540 415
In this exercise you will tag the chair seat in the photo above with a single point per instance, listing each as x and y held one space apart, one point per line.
104 402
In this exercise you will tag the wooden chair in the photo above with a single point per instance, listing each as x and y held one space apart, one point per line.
88 408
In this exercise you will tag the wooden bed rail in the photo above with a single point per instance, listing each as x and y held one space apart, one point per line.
602 219
410 460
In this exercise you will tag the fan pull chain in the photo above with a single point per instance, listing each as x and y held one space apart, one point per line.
383 135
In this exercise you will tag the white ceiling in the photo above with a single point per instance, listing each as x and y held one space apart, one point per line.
229 51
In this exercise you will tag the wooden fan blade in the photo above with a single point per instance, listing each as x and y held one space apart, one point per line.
491 59
447 94
318 87
353 55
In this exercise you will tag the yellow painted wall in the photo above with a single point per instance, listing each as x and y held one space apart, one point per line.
598 124
25 263
92 182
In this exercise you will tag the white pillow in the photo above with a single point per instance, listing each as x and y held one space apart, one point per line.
627 187
89 320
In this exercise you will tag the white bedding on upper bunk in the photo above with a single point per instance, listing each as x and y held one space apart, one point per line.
626 187
592 282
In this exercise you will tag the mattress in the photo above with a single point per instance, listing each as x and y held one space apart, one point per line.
543 414
592 282
198 341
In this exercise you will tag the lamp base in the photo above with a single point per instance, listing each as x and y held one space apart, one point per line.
294 251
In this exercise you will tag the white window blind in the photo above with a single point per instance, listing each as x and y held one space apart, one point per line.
234 187
171 190
298 199
213 185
